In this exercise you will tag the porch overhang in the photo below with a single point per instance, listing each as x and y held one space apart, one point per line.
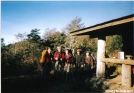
112 27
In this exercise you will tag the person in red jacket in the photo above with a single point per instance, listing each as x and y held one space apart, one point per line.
59 58
68 59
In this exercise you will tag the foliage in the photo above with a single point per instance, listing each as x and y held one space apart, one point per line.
113 43
34 36
21 37
54 38
75 24
23 56
74 42
2 42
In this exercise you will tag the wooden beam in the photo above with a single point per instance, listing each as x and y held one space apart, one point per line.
103 26
121 61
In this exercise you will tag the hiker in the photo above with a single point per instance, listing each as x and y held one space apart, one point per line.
68 60
58 58
79 63
68 64
45 62
92 55
94 62
89 64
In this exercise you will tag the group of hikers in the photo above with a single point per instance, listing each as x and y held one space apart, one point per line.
66 61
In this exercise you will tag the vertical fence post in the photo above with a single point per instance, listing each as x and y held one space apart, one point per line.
126 75
100 71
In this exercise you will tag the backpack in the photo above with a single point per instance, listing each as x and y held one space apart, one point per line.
94 60
42 59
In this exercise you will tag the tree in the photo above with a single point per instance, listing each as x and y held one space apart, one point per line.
20 36
54 38
2 42
75 24
34 36
75 41
114 43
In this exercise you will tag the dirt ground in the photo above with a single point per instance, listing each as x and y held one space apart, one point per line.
32 84
115 84
59 83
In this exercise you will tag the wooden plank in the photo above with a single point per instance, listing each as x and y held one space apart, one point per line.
126 69
103 26
121 61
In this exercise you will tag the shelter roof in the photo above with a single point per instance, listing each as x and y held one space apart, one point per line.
107 28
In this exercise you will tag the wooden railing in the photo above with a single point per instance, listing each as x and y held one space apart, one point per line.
126 69
120 61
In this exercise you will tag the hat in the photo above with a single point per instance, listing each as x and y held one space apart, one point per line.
78 50
67 50
87 51
58 47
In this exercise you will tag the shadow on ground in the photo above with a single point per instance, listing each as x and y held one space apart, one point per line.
54 83
33 83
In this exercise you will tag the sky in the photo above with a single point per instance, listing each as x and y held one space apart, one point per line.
23 16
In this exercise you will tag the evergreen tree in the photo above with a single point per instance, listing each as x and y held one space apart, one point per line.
2 42
34 36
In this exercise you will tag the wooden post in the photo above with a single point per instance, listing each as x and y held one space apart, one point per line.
133 42
126 75
100 71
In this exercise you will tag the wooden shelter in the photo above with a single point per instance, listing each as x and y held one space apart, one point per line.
122 26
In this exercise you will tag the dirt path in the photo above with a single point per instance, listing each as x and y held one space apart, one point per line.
115 84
